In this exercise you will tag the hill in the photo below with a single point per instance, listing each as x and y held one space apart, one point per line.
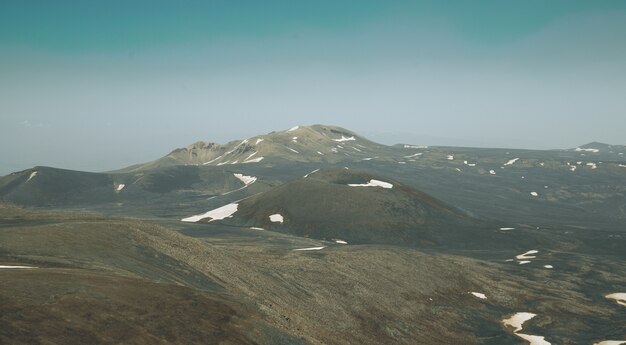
358 208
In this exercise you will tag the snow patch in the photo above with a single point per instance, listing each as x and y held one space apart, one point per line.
120 187
534 194
507 229
310 248
592 165
479 295
341 242
512 161
33 174
226 211
516 321
292 149
276 218
492 172
548 266
258 141
343 138
415 146
414 155
527 255
579 149
255 228
450 157
611 342
293 129
619 297
256 160
312 172
372 183
245 179
15 267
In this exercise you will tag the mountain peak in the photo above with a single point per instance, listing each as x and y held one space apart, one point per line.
313 143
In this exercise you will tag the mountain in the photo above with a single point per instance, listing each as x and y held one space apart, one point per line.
359 208
359 243
300 144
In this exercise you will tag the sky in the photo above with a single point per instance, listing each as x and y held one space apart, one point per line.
99 85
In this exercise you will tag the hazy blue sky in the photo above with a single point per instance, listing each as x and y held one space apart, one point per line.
97 85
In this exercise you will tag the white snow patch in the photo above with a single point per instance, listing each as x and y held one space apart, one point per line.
414 155
401 162
235 162
622 165
312 172
250 156
366 159
343 138
572 168
611 342
619 297
548 266
226 211
457 169
524 262
578 149
218 164
357 149
527 255
450 157
319 153
255 228
341 242
213 160
293 129
16 267
276 218
245 179
534 194
507 229
256 160
592 165
479 295
334 150
415 146
512 161
120 187
516 321
310 248
372 183
492 172
471 165
292 149
258 141
33 174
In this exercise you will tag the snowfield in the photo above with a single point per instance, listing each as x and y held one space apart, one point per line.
226 211
372 183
